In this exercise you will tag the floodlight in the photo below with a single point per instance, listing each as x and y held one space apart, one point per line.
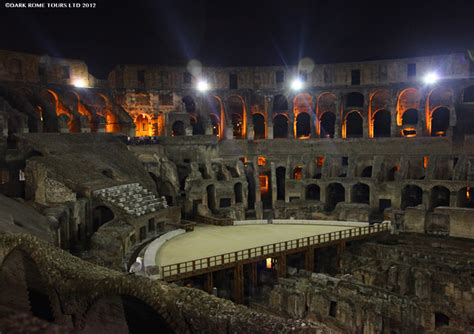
202 86
297 84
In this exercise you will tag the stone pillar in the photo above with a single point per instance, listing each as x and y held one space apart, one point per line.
313 117
453 199
253 277
394 132
227 131
347 193
209 283
422 121
282 265
291 120
269 112
365 116
273 183
249 120
338 122
426 199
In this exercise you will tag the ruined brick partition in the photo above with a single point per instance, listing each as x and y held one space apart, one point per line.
43 281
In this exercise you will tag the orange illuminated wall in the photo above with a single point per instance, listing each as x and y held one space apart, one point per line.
425 161
143 125
263 183
319 161
298 173
262 161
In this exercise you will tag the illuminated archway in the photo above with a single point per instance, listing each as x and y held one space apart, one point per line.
327 125
439 122
353 125
382 123
215 124
408 99
143 125
237 112
280 126
303 126
465 197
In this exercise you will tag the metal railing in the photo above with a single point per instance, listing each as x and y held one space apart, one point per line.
208 263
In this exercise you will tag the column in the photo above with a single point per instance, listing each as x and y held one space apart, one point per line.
313 117
393 118
338 122
249 120
453 199
291 120
269 112
209 284
253 277
282 265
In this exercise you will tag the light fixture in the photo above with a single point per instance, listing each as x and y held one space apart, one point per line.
297 84
79 83
431 78
202 86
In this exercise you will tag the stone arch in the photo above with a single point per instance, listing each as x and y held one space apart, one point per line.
468 94
379 100
100 215
280 126
412 196
409 122
439 122
439 97
124 313
366 172
335 193
24 288
302 103
439 196
280 103
312 192
259 126
217 115
354 99
353 125
143 125
178 129
303 125
408 98
72 123
360 193
237 112
112 122
381 123
327 125
391 173
465 198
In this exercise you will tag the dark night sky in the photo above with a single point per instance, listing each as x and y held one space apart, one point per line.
237 32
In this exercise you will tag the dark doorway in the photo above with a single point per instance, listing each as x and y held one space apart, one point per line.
328 121
101 215
258 126
382 123
281 176
280 126
335 193
312 192
303 125
354 125
411 196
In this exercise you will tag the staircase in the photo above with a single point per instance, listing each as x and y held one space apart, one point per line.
132 198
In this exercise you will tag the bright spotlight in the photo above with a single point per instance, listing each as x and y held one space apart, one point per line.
202 86
79 83
297 84
431 78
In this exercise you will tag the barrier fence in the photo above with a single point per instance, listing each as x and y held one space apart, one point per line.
177 270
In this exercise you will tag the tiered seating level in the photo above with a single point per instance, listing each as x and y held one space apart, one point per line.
132 198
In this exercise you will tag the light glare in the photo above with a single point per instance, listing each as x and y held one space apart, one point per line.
202 86
79 83
431 78
297 84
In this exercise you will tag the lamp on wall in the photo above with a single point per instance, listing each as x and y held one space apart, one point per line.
202 85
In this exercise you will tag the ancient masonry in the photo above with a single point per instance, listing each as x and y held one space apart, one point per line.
101 168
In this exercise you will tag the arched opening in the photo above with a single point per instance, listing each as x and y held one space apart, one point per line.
280 126
409 99
367 172
101 215
215 124
411 196
313 192
189 104
178 129
409 123
465 198
298 173
143 126
439 122
196 124
211 197
258 126
123 314
355 99
335 193
382 123
238 191
22 287
281 176
441 320
327 125
280 103
439 196
354 125
360 193
237 114
468 94
249 174
303 125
